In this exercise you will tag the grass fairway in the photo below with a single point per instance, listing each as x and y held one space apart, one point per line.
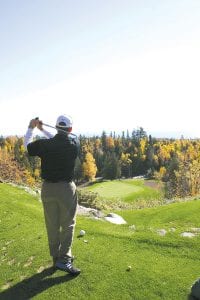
163 267
129 191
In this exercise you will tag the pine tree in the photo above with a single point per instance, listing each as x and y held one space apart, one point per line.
78 172
111 169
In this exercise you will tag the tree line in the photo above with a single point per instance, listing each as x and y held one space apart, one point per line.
176 162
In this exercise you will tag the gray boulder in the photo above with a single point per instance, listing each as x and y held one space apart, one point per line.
115 219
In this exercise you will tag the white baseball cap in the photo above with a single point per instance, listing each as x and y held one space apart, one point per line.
64 121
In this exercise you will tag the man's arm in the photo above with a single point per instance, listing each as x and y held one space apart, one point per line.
28 137
46 133
29 133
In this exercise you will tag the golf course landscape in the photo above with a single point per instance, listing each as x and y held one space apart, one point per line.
155 255
128 193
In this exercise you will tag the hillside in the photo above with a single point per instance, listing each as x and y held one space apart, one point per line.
162 266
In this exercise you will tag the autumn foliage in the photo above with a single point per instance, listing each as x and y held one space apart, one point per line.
176 162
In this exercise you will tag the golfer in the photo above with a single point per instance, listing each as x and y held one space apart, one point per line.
58 154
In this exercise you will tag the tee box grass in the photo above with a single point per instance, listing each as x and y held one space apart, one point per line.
162 267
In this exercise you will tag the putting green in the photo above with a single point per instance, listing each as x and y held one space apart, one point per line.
116 189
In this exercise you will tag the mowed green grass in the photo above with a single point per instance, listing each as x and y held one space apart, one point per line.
126 190
162 267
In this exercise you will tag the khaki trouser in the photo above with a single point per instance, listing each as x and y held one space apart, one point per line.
60 203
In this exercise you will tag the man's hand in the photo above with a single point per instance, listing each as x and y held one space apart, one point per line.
33 123
39 125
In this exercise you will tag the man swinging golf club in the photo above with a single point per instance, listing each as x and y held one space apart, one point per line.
58 154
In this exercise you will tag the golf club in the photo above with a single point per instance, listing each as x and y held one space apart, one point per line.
50 126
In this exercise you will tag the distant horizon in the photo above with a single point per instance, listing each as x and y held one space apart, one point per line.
154 134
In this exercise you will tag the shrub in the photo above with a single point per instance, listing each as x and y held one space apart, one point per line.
88 198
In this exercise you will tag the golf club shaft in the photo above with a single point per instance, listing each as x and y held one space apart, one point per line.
50 126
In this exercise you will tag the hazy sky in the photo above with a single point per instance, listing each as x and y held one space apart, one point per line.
112 65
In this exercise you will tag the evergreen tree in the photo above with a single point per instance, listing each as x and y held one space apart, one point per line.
99 159
103 141
78 172
111 169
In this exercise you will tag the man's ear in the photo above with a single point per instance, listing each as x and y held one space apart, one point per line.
69 129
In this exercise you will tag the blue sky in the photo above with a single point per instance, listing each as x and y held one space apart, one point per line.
111 65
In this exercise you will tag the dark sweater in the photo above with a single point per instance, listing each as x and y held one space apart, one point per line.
58 155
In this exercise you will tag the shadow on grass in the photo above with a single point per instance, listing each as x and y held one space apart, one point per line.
190 297
34 285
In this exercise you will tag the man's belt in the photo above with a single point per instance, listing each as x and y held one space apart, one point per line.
57 180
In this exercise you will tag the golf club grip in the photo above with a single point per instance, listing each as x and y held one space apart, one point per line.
37 118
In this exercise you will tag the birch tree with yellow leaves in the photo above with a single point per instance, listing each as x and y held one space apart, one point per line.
89 167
